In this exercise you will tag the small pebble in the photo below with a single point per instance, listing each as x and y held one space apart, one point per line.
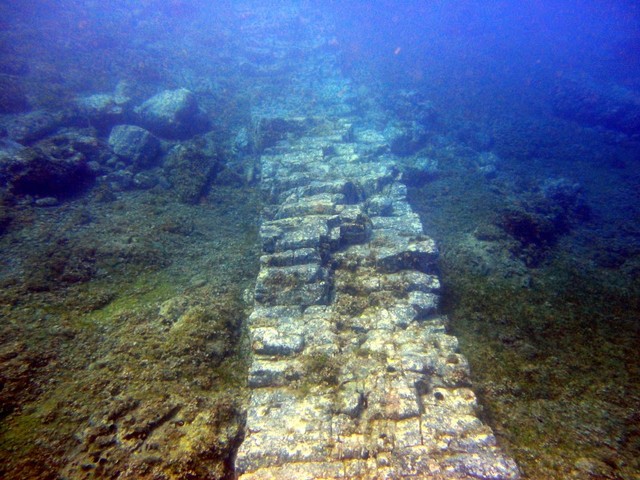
197 282
47 202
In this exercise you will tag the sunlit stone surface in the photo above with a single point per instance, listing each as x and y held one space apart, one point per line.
353 374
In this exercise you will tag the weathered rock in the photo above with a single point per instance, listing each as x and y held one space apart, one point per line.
124 93
270 341
353 374
419 171
190 172
270 131
8 149
145 180
119 180
33 126
414 105
420 255
173 114
538 221
134 145
406 138
56 167
101 110
302 285
46 202
294 233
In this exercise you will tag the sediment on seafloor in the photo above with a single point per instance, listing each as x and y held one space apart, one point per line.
353 374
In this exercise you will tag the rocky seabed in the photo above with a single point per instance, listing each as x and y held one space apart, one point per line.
353 374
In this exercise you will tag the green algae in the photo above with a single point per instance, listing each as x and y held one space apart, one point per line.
146 338
146 289
22 432
134 367
40 416
554 374
321 368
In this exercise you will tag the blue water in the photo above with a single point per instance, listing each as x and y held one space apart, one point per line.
513 123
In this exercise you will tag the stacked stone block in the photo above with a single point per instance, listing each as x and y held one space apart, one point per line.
353 374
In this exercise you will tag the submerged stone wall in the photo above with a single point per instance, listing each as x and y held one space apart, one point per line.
353 374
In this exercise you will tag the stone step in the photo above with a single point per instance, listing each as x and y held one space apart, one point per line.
320 204
304 285
295 233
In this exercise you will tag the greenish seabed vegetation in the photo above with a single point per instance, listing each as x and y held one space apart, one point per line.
122 345
553 349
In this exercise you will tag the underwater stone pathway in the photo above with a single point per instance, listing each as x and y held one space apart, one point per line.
353 374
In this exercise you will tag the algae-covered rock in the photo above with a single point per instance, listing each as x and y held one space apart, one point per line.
32 126
134 145
419 171
270 130
58 166
145 180
173 114
190 172
5 213
8 149
406 138
538 221
101 110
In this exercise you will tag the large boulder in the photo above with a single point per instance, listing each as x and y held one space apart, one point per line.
270 130
32 126
173 114
406 138
56 167
190 172
134 145
100 110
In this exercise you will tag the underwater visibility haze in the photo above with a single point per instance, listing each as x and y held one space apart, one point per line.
319 239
